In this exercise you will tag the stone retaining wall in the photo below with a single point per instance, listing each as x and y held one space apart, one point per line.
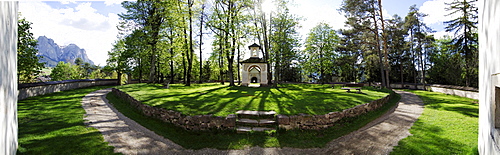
42 88
198 122
208 122
316 122
468 92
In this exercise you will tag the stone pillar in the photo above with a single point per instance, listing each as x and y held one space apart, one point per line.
489 75
8 77
263 74
244 75
129 78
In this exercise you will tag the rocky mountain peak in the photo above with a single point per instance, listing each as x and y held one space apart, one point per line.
53 53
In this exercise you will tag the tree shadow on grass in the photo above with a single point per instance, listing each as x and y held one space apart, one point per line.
229 139
52 124
457 104
312 99
66 143
429 140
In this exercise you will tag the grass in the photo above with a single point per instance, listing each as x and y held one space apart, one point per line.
448 125
231 140
53 124
221 100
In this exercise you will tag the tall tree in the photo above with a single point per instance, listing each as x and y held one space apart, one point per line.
365 16
350 52
261 24
28 65
227 17
202 17
447 64
466 39
120 58
149 16
321 53
398 49
418 32
284 43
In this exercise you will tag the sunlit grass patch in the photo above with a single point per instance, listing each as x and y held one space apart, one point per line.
448 125
53 124
221 100
229 139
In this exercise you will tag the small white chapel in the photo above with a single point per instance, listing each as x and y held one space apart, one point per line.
254 69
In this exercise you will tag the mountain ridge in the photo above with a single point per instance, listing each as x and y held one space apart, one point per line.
53 53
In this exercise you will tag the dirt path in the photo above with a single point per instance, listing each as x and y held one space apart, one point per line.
128 137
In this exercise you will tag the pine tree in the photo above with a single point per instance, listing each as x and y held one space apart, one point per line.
466 39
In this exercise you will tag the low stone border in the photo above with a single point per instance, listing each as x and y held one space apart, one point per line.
316 122
209 122
41 88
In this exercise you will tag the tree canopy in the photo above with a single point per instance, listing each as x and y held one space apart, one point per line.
157 43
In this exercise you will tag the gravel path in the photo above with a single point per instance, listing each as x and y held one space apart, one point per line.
128 137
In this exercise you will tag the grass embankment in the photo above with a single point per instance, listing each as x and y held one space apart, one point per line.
448 125
221 100
53 124
232 140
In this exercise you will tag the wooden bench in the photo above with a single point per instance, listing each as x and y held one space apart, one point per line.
356 86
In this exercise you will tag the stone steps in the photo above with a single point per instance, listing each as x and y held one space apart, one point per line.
255 121
244 129
254 85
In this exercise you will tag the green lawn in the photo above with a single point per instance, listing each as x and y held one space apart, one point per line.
232 140
221 100
53 124
448 125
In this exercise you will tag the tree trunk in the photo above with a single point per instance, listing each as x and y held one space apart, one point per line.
468 58
119 77
152 68
140 70
230 54
172 74
413 60
379 52
190 51
266 51
420 59
155 24
201 42
221 63
184 66
238 64
401 71
321 68
384 40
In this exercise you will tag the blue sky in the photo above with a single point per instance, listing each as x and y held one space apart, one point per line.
92 24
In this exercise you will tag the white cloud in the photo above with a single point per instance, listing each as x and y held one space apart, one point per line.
81 25
436 10
442 34
386 14
112 2
67 2
315 12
